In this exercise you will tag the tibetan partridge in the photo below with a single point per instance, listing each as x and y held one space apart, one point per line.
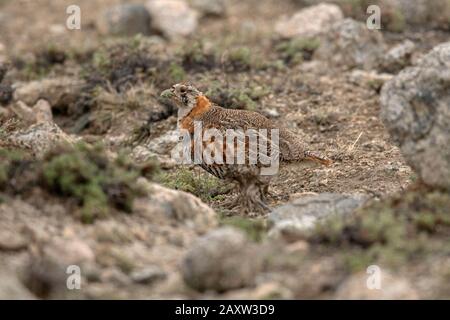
219 132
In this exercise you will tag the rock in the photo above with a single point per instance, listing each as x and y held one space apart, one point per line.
398 57
415 108
305 212
42 135
57 29
271 113
11 240
40 112
351 44
164 143
412 12
142 154
38 139
115 276
264 291
391 288
125 20
59 92
221 260
370 79
172 18
167 205
210 7
148 275
309 22
3 58
11 288
69 251
48 269
3 68
6 94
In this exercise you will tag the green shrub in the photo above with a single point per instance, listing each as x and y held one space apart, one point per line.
236 98
202 185
87 175
256 229
296 50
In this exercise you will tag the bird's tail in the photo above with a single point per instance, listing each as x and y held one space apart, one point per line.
310 155
293 149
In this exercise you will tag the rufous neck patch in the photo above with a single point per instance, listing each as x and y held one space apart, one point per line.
203 105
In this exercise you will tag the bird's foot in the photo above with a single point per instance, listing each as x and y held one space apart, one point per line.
254 207
230 203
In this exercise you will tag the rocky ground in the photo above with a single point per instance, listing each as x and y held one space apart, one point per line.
87 178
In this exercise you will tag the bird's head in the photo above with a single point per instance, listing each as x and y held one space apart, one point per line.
184 95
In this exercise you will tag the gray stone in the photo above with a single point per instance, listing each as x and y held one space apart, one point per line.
59 92
125 20
392 287
309 22
398 57
415 108
305 212
11 288
210 7
163 205
148 275
47 272
222 260
349 43
172 18
38 139
370 79
164 143
11 240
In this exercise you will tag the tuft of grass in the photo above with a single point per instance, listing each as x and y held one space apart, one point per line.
204 186
82 174
176 72
393 231
395 20
297 50
256 229
195 57
85 174
237 98
43 62
9 159
239 59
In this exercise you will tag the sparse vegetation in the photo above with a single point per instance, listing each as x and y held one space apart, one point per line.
139 234
86 174
195 57
256 229
83 173
238 59
391 231
202 185
236 98
42 62
296 50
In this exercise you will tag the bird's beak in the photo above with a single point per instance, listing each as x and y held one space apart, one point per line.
167 94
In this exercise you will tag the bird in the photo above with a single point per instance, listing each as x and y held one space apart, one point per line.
195 108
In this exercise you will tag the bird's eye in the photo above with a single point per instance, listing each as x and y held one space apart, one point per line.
183 89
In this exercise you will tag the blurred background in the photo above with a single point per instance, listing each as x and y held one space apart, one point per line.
87 178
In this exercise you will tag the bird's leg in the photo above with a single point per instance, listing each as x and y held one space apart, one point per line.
234 201
264 190
253 197
231 203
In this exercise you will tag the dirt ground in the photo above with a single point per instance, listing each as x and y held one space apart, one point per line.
335 115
